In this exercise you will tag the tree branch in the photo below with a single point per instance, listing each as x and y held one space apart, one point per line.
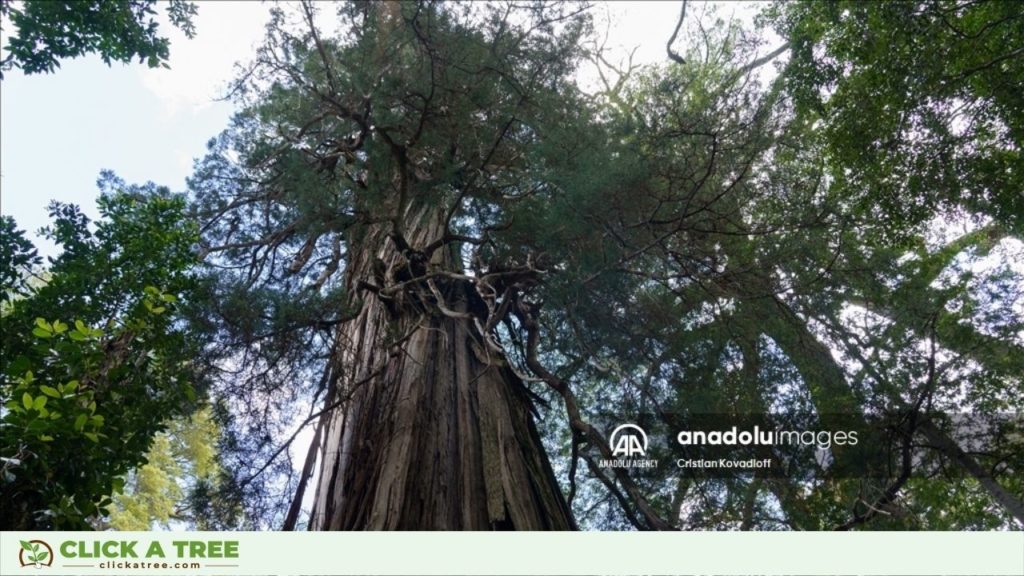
668 47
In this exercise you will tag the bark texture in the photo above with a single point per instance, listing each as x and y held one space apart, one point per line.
433 429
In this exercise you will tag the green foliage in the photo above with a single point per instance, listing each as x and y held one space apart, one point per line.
714 245
94 359
701 241
181 468
920 102
18 257
47 31
455 98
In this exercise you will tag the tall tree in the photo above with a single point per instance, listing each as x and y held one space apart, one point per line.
369 165
420 223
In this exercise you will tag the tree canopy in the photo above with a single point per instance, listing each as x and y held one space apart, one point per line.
48 31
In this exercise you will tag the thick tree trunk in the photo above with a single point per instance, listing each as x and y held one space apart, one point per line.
434 430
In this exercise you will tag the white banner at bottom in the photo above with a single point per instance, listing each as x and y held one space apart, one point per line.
481 553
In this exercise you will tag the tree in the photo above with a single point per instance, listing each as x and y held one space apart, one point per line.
47 31
92 350
180 481
393 173
464 267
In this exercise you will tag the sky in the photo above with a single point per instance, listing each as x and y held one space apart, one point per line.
58 131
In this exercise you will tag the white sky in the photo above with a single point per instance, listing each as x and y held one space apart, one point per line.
59 130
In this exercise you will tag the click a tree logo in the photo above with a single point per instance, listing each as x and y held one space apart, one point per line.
35 553
628 441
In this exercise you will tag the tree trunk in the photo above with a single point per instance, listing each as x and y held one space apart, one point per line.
433 430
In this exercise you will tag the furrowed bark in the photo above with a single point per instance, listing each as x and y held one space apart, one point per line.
443 437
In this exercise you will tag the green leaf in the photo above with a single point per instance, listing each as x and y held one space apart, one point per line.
80 421
46 438
71 386
92 436
42 556
41 333
50 391
26 400
39 402
26 545
59 327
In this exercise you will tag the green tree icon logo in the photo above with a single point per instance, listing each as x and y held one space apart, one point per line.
36 553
